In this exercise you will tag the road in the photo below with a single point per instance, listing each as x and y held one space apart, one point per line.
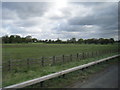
105 79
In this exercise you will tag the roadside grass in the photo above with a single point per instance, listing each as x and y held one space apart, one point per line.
10 78
37 50
79 75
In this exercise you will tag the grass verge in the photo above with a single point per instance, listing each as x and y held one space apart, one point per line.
79 75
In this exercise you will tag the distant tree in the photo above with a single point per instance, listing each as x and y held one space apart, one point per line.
52 41
5 39
73 40
106 41
12 39
46 40
17 39
118 41
88 41
95 41
68 41
58 41
34 40
49 41
101 41
85 41
39 41
91 41
80 40
111 40
28 39
23 40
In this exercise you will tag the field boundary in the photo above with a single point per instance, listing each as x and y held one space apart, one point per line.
28 63
50 76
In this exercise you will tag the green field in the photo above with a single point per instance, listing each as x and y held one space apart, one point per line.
31 50
23 51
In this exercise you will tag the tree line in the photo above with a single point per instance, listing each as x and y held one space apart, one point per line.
29 39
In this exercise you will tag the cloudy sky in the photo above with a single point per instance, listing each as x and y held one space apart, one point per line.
64 20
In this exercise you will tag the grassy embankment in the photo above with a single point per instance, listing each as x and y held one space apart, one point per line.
77 76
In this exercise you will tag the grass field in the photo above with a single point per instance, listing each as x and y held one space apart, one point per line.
23 51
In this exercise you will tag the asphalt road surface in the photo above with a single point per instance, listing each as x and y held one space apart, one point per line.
106 79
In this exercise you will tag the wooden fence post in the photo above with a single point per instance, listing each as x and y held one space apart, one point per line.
77 55
96 53
100 52
28 63
71 57
42 61
87 54
92 54
83 55
110 51
53 60
63 57
9 65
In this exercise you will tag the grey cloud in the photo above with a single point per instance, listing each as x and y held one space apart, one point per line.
8 14
105 17
27 23
26 10
56 18
70 28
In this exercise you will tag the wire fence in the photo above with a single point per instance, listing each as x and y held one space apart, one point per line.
26 64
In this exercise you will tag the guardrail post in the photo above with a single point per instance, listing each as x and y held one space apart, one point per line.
41 84
82 69
63 75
